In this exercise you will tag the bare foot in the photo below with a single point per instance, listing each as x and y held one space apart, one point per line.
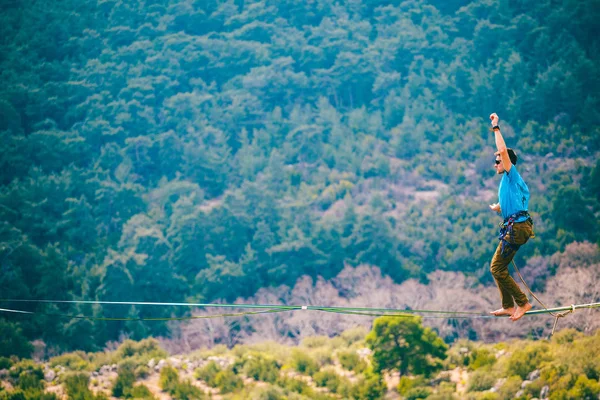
503 311
520 311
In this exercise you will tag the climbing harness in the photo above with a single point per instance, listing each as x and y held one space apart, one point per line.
506 228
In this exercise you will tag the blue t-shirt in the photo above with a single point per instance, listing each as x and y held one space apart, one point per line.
513 194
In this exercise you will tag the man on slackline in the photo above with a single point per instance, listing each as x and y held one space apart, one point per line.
513 201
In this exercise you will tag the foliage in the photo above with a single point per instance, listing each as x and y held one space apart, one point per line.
481 380
77 361
227 381
222 145
141 392
207 373
12 340
124 384
329 379
407 383
76 386
351 361
525 360
403 344
259 367
5 363
303 362
418 393
169 379
481 357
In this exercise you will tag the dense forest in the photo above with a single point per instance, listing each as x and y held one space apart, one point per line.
183 150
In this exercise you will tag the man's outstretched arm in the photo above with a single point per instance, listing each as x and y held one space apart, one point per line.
500 145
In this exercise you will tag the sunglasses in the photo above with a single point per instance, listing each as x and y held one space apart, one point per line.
497 162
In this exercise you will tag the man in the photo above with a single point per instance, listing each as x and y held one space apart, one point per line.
513 202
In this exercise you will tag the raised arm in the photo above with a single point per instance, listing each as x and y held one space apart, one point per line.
500 145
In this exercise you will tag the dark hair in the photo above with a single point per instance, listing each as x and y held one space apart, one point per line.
513 156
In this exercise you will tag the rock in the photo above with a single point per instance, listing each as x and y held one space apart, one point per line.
174 362
151 364
222 362
463 350
499 384
524 384
545 392
105 369
49 375
519 393
113 367
500 353
95 374
534 375
160 365
364 352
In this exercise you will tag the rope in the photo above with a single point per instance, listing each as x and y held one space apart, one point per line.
250 306
557 312
555 315
87 317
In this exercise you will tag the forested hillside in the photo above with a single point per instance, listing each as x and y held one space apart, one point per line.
202 150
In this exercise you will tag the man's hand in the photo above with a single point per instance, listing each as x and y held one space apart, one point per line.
495 119
495 207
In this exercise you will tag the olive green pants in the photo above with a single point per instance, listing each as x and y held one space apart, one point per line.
509 290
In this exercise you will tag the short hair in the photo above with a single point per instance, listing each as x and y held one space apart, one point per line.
513 156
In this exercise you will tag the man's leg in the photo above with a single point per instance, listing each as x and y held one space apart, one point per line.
522 232
506 284
499 269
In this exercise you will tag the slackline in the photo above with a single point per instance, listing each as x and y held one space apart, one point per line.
274 308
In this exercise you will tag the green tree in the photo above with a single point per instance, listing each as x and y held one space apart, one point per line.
403 344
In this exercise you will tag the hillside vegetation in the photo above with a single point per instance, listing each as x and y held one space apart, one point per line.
202 150
349 366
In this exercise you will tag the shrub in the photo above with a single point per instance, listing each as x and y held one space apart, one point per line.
227 381
5 363
481 357
406 383
261 368
266 393
140 352
141 372
585 388
12 340
418 393
315 341
26 366
169 378
567 335
208 373
510 387
481 380
76 386
304 363
322 356
328 379
295 385
186 391
354 335
351 361
77 361
522 362
125 381
369 387
30 380
141 392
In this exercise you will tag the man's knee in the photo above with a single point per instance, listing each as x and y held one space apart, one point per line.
499 270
